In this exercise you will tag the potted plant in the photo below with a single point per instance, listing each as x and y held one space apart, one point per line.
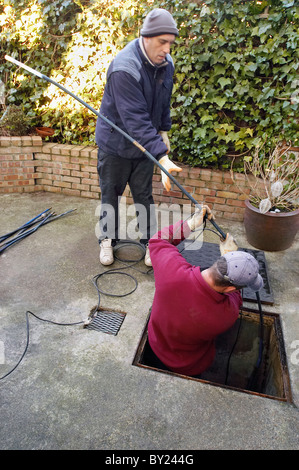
271 216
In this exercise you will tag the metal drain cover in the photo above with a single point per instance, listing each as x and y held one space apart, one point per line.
106 321
207 253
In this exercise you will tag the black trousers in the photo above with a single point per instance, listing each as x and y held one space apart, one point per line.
150 359
114 174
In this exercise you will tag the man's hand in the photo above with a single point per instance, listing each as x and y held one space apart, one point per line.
165 139
227 245
197 219
169 166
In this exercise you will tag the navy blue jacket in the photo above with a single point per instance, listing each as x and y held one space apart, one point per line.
137 99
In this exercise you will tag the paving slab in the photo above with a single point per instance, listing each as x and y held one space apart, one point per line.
77 389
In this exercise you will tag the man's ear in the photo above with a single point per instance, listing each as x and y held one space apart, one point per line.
229 289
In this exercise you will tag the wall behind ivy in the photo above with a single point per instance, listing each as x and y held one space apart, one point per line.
236 69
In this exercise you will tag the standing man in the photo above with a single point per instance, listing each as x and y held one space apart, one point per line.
137 99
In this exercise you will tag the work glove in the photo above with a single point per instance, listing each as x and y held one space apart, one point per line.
197 218
227 245
169 166
165 139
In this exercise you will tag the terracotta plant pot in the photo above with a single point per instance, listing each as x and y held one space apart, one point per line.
44 131
270 231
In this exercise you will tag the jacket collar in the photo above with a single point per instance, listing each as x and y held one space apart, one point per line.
164 64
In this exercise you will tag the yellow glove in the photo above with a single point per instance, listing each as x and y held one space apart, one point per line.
227 245
197 218
169 166
165 139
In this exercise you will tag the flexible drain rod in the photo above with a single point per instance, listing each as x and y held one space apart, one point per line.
127 136
252 379
24 231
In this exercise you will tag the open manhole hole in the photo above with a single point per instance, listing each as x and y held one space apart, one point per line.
105 321
236 356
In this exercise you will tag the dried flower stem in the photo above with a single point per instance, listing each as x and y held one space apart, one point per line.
261 171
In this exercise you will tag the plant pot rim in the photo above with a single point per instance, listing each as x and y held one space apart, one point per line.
44 131
271 214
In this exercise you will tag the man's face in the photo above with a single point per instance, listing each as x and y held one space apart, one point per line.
158 47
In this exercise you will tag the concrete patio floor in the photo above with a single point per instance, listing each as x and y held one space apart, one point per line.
77 389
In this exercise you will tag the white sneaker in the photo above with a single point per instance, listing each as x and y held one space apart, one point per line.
147 258
106 253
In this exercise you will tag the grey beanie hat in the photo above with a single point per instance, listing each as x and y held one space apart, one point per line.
159 22
243 270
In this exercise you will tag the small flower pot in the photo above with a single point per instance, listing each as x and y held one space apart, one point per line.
44 131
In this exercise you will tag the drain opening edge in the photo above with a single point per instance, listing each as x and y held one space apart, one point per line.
270 317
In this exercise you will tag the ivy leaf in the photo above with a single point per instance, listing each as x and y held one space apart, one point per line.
220 101
180 77
263 28
268 92
249 131
224 81
204 11
206 117
219 70
241 88
199 133
251 66
236 66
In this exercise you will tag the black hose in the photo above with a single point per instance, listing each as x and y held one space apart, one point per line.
127 263
233 348
252 378
100 291
28 337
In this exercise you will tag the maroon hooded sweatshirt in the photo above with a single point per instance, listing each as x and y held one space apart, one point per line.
187 314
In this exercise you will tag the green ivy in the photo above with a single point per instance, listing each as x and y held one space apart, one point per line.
72 42
236 69
236 78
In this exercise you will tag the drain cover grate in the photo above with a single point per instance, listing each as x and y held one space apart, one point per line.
207 253
106 321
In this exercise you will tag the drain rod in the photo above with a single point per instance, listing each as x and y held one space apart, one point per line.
127 136
252 378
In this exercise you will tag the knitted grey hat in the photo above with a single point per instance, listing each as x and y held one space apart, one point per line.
159 22
243 270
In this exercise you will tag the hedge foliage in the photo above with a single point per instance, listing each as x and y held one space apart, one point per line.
70 41
236 68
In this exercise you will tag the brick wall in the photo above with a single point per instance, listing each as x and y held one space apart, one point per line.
67 169
17 168
28 164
